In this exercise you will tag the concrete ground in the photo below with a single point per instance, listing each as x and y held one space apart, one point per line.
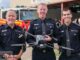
27 54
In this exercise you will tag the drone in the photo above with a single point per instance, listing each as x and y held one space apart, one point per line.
36 43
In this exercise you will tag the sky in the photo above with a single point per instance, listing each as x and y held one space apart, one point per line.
4 3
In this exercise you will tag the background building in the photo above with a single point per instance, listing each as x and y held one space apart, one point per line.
33 3
55 6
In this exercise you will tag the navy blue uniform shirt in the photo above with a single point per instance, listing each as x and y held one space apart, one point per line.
36 29
74 35
9 36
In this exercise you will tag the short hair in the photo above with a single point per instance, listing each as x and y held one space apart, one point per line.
66 9
42 4
11 10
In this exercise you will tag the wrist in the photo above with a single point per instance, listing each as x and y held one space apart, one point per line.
17 56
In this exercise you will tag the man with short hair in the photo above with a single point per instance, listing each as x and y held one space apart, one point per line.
46 28
69 37
11 34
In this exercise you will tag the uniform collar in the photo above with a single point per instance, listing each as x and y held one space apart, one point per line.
8 27
68 26
42 20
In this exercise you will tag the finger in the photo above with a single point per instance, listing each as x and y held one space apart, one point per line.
46 36
6 55
11 56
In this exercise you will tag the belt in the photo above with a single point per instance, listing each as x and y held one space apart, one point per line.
72 54
43 50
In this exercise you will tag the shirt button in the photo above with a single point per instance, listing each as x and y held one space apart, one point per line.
44 51
68 40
